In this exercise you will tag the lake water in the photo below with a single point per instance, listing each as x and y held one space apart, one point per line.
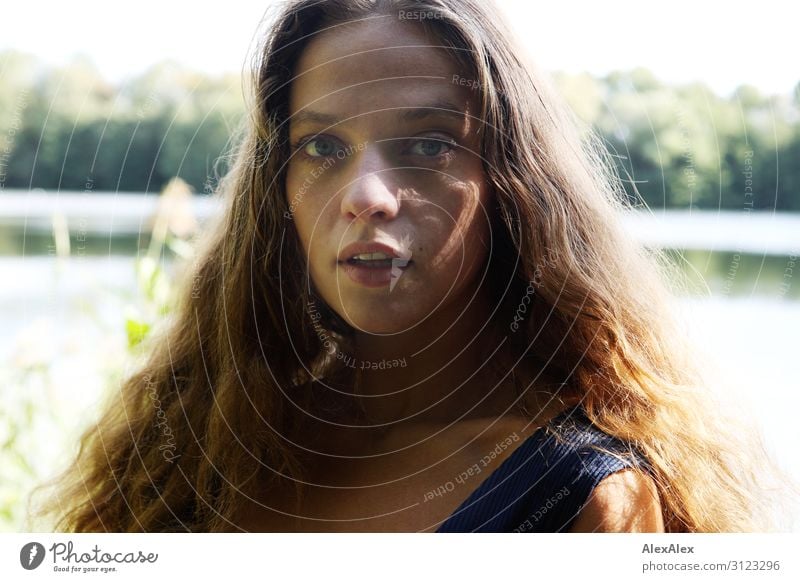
63 317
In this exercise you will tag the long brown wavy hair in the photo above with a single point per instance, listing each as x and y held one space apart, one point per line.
214 413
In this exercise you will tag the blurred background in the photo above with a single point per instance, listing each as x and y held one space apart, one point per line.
114 123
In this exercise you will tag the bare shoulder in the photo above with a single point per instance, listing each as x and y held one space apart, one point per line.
625 501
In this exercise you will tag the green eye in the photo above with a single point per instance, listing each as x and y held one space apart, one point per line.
320 147
430 147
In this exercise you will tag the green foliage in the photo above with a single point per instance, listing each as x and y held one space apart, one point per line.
71 125
685 146
41 417
136 330
676 146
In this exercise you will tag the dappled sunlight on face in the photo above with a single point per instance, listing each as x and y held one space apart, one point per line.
385 149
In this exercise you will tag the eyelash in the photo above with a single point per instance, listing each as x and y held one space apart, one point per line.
298 147
447 141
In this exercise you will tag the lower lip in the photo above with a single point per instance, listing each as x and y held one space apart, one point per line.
370 276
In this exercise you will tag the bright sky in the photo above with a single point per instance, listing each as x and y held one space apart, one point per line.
722 43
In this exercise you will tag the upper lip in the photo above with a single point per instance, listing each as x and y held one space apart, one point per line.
360 247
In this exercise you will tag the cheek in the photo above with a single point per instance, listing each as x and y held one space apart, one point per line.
293 188
306 210
462 215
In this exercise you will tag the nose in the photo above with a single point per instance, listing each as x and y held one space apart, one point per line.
368 195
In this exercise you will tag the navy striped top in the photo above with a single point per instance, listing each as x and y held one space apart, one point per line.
543 484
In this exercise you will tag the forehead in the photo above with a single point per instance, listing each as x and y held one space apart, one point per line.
378 63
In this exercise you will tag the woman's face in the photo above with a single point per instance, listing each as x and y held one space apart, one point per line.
386 155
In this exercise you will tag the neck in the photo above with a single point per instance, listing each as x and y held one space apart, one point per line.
437 372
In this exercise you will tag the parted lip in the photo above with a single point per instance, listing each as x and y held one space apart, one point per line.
360 247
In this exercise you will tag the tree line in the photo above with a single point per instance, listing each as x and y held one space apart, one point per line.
672 146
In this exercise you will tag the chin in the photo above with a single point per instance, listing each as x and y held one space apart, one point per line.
381 318
372 323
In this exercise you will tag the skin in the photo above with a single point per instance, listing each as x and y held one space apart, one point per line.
625 501
400 181
416 180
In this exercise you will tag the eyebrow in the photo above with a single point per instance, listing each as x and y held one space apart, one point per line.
407 114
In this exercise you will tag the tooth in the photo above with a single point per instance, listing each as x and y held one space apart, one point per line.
372 257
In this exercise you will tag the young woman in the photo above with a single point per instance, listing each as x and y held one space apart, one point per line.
419 312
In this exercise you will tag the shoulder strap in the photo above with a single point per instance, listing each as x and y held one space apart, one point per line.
543 485
576 456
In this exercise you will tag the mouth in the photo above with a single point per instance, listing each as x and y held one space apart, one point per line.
374 263
375 269
377 261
